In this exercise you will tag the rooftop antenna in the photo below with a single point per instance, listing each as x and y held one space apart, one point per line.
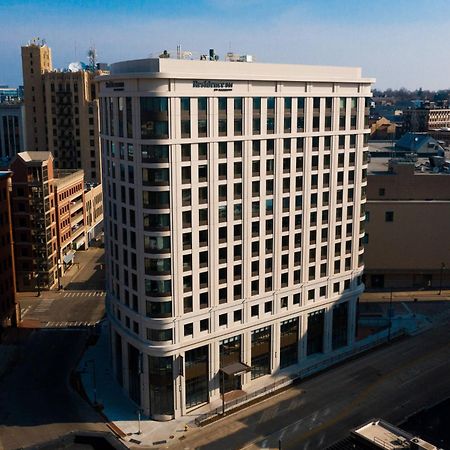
92 55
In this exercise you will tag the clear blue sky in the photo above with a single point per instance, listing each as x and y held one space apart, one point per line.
399 42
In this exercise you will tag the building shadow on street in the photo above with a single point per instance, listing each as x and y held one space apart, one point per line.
95 281
38 387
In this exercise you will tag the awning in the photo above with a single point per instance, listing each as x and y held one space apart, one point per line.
69 257
234 369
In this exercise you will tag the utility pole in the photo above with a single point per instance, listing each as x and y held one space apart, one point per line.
223 393
390 317
440 278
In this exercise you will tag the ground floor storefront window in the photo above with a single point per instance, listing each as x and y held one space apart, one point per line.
196 372
289 343
260 352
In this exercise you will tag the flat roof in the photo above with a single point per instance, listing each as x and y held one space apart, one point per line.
35 156
383 435
229 70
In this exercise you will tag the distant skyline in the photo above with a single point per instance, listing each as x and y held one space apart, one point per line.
401 43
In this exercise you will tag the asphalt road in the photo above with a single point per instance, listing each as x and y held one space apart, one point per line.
63 309
393 382
36 402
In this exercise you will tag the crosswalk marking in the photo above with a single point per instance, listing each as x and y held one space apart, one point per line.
84 294
74 324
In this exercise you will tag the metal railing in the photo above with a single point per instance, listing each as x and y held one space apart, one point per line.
303 373
243 400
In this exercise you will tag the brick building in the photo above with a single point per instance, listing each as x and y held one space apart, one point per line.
7 275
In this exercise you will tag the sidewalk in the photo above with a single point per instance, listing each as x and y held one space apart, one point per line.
122 412
87 273
424 295
118 408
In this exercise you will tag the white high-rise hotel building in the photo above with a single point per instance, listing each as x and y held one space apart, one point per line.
234 201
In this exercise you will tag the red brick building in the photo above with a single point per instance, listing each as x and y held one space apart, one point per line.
7 274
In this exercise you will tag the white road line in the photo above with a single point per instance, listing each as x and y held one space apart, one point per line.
407 308
322 438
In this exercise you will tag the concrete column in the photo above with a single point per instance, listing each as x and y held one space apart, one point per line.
302 342
351 329
178 397
328 330
246 342
181 387
214 366
275 350
126 381
145 394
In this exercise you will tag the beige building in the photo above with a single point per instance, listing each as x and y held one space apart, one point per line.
93 197
51 219
233 223
61 112
71 215
383 129
407 242
425 119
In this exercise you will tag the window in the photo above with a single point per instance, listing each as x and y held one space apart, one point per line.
381 192
237 315
223 319
255 311
389 216
189 329
154 117
204 325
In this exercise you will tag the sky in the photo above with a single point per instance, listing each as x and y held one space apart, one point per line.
401 43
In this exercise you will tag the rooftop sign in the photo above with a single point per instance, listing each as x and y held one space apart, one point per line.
216 85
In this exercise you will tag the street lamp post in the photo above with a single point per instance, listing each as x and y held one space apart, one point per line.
58 271
38 284
139 420
440 278
94 380
223 392
390 317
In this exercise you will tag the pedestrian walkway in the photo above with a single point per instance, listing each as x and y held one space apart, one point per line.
425 295
69 324
73 294
100 386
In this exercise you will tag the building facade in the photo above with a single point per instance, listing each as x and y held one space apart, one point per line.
7 274
11 95
425 119
93 197
12 130
71 215
34 221
408 216
50 219
234 211
61 112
